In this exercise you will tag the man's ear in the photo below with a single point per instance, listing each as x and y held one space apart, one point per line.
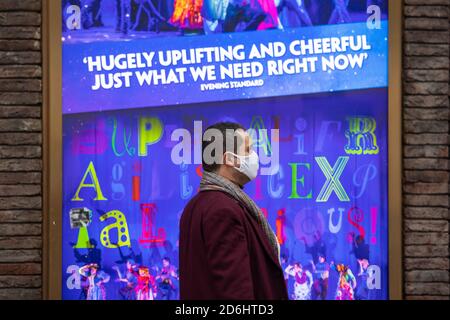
230 160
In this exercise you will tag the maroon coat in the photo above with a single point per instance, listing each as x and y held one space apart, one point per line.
225 254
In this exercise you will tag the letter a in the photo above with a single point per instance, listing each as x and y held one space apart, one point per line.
90 171
123 236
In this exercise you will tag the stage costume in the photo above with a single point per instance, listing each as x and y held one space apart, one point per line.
168 276
128 290
346 283
268 6
187 14
362 292
241 16
321 275
96 289
145 289
215 9
146 16
340 13
91 13
214 12
123 14
292 13
303 283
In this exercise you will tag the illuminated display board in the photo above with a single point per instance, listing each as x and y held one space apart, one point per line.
136 71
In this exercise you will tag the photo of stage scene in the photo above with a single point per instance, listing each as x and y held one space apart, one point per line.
327 203
108 20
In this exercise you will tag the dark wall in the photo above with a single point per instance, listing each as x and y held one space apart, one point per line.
20 149
426 149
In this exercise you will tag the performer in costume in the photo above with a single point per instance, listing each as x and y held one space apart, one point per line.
362 292
244 15
187 14
320 11
346 283
303 281
123 16
146 16
239 15
288 279
292 13
97 279
128 291
146 288
91 13
271 21
214 13
340 13
321 272
84 283
167 277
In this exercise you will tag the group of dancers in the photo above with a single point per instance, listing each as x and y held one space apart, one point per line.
136 282
213 16
305 282
311 282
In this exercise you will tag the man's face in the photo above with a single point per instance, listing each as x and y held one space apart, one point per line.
166 263
244 148
321 259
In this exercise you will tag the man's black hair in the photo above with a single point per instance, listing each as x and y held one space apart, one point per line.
222 127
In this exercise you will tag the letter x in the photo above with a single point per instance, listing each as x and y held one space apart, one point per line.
332 175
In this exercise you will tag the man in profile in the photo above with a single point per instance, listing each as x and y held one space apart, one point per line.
227 248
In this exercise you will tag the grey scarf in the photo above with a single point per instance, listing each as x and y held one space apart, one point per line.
212 181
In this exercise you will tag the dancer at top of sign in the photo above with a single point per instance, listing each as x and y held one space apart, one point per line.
303 281
187 15
340 13
214 13
147 17
91 13
239 15
97 280
292 13
346 283
227 248
249 15
272 20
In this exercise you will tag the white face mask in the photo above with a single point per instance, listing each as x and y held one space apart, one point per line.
249 165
